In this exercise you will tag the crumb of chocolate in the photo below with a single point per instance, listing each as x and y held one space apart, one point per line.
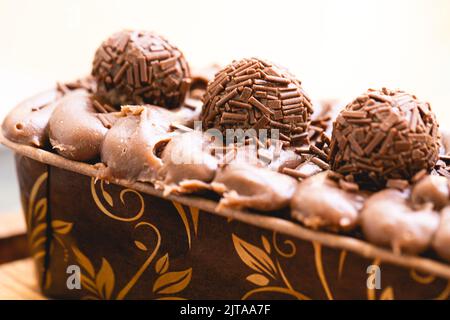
294 173
348 186
444 172
419 176
444 157
333 175
322 164
399 184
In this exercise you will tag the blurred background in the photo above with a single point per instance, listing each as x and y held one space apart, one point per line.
337 48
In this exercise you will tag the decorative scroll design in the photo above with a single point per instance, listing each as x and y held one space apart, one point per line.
342 257
109 200
319 268
36 216
194 212
147 262
445 293
170 282
263 259
36 220
101 284
289 243
426 279
195 216
421 278
266 269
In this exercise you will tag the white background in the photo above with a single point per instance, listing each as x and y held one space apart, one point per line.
338 48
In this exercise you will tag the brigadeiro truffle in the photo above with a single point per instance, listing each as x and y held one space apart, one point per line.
253 93
382 135
138 67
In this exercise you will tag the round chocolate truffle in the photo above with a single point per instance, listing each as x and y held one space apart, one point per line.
139 67
253 93
384 134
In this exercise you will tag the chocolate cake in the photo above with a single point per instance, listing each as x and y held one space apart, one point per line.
375 170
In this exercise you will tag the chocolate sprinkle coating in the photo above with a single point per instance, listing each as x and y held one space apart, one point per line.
253 93
139 67
384 135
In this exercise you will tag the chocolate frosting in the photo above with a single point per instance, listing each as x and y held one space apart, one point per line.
130 146
309 169
141 139
285 159
75 130
433 189
27 123
186 160
318 202
388 219
243 185
441 241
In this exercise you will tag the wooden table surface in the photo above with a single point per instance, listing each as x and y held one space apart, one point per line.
13 243
17 272
11 224
18 281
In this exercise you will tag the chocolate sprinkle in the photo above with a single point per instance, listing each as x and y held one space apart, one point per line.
384 137
294 173
348 186
400 184
261 96
139 67
322 164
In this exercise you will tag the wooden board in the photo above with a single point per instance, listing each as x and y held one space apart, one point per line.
13 243
11 224
18 281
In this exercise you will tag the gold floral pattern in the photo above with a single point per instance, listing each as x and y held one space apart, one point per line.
265 259
169 283
319 268
36 216
36 221
267 271
101 284
108 199
194 216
